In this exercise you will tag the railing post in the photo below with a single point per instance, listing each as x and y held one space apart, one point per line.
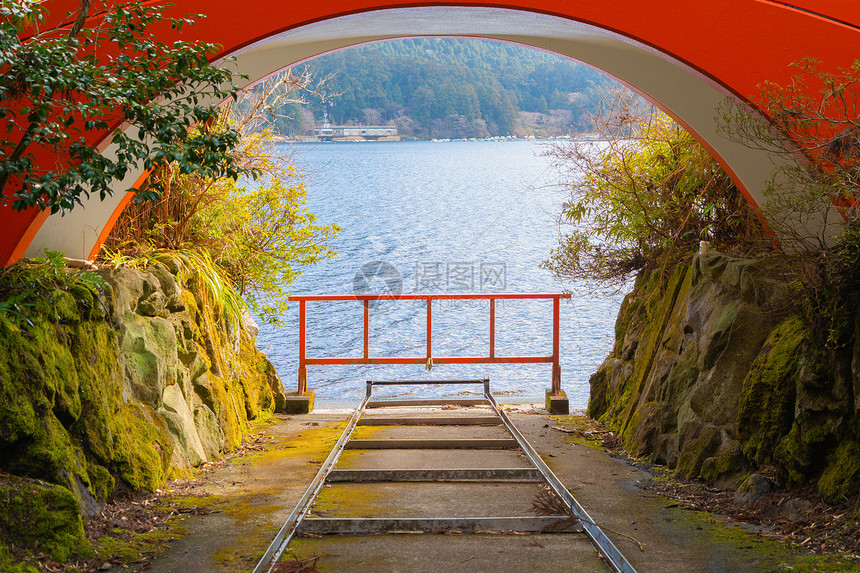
492 328
556 367
303 368
429 330
366 329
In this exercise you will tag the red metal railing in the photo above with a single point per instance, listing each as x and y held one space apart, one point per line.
428 358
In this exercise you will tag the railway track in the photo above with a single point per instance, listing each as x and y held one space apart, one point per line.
468 436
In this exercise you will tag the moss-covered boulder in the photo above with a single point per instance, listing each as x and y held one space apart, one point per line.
34 514
123 389
708 377
838 481
766 405
194 365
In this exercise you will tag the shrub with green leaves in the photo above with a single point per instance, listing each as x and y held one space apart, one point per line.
257 235
642 198
28 287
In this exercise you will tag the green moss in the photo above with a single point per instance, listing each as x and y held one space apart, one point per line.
122 547
88 305
65 306
67 409
46 362
796 453
761 554
9 564
314 444
841 477
658 304
101 482
62 414
220 397
825 564
731 392
629 307
696 450
141 446
725 466
53 455
129 439
766 404
37 514
720 333
598 399
641 432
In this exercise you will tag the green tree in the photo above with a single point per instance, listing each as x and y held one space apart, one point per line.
434 78
263 235
58 88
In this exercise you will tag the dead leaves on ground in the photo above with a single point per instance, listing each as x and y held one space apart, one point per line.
298 565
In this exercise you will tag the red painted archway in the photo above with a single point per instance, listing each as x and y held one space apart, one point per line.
683 55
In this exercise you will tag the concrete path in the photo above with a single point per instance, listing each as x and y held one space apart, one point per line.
254 496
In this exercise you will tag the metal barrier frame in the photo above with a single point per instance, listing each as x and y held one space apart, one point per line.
428 358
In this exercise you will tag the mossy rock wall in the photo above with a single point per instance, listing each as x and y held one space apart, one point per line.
127 391
711 374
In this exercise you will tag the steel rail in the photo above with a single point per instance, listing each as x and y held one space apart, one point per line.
614 558
282 539
604 545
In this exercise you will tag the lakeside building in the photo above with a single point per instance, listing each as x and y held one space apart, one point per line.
328 132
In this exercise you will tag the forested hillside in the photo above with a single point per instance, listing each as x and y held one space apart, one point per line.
445 87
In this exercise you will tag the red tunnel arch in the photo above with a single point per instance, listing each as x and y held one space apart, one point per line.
729 45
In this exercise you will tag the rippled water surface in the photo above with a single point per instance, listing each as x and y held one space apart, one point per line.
448 217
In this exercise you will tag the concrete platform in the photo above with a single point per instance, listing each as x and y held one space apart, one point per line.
296 404
557 403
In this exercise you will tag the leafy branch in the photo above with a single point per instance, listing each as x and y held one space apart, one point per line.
811 127
61 92
258 235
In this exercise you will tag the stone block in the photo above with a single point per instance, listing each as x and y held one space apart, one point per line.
557 403
296 404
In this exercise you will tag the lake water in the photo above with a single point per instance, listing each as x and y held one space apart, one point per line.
445 217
